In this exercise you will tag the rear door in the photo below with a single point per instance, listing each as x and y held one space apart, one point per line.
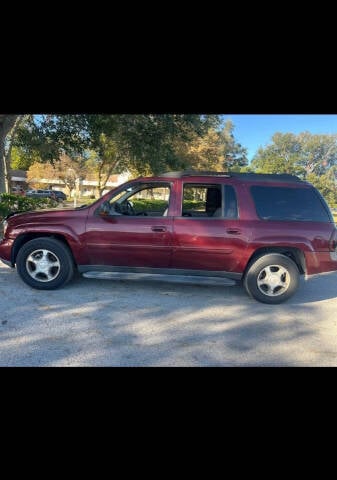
207 233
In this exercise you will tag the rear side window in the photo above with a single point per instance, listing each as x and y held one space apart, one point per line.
207 200
282 203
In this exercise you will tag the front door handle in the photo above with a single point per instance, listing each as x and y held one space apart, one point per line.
158 228
233 231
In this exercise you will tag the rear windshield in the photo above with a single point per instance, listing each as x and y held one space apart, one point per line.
282 203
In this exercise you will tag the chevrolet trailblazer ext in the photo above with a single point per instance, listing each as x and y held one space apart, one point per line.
265 230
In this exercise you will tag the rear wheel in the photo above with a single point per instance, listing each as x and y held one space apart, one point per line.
45 263
272 278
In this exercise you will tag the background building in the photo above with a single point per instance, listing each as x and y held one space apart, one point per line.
85 188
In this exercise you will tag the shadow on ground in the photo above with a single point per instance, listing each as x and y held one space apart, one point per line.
148 323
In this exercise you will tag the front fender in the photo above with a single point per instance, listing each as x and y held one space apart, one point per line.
64 233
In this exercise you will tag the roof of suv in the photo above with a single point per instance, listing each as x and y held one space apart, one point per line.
265 177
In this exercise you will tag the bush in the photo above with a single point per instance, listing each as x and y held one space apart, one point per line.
161 205
152 204
16 203
194 205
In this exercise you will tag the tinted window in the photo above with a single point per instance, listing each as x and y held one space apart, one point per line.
282 203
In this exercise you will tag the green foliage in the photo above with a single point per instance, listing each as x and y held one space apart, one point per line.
215 150
297 154
157 205
17 203
311 157
142 205
326 185
318 152
46 137
145 143
21 160
194 205
235 155
281 156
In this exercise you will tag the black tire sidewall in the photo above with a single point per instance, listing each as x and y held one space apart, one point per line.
55 246
250 280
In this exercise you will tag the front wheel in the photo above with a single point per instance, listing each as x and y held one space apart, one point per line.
45 263
272 278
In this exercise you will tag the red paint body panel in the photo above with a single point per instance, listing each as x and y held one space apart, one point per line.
129 241
206 244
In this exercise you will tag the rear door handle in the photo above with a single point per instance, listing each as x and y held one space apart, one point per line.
158 228
233 231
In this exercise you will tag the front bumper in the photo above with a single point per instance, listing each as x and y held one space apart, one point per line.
6 246
9 264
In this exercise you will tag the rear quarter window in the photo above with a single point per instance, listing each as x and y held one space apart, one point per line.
285 203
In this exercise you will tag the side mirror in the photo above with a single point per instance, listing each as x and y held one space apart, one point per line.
104 209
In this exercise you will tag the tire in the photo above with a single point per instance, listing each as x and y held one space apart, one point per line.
272 278
45 264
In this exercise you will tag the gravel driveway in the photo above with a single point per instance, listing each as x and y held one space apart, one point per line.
161 323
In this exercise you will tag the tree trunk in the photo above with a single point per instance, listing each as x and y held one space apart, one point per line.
102 183
7 122
8 153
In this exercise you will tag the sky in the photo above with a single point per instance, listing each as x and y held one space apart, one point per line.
254 131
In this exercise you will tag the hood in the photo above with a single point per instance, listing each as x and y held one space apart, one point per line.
45 216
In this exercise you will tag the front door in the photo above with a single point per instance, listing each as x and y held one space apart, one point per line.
133 228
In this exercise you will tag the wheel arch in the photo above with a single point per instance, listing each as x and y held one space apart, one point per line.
26 237
295 254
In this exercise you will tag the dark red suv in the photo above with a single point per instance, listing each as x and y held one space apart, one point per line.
265 230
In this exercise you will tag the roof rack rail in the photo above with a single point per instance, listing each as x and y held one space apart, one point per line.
203 173
281 177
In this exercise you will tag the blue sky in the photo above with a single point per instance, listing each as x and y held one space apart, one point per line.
253 131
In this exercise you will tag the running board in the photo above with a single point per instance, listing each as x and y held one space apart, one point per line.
195 279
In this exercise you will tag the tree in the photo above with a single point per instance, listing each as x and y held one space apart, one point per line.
7 124
66 169
217 150
39 171
202 153
145 143
71 170
319 152
106 160
235 155
311 157
297 154
140 144
47 137
281 156
21 160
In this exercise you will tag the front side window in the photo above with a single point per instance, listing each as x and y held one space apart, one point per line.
140 200
284 203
